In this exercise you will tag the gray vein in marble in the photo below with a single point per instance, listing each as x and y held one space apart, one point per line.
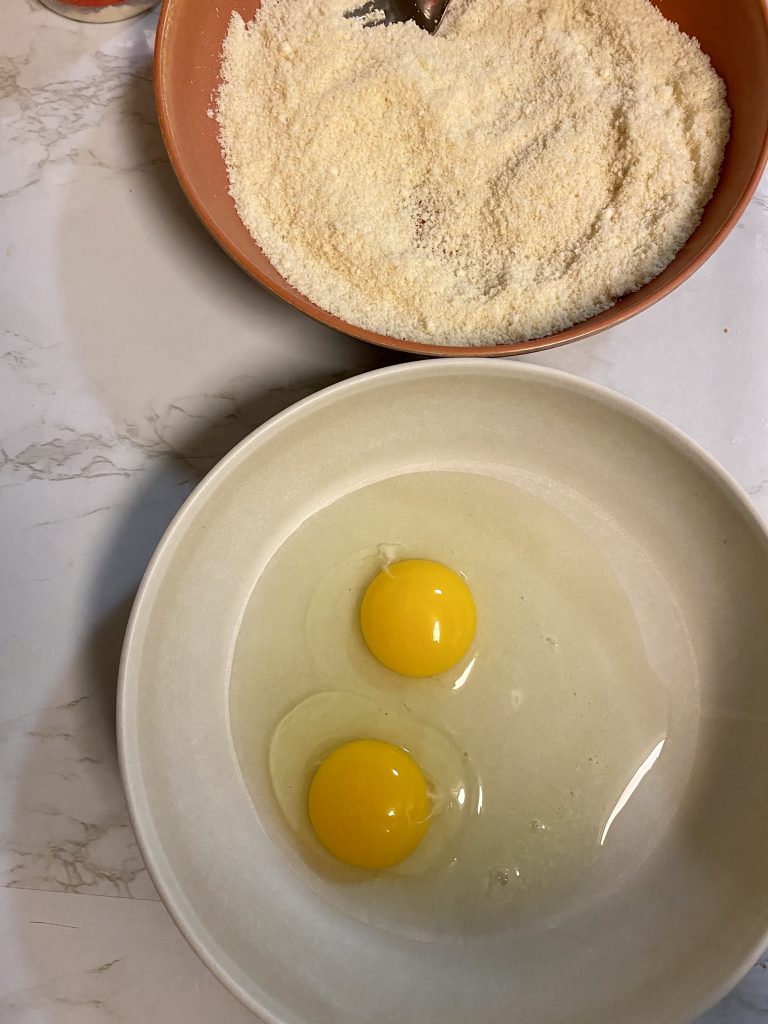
16 360
60 458
11 193
28 342
96 1004
56 119
69 519
57 924
54 990
70 865
106 966
68 829
50 707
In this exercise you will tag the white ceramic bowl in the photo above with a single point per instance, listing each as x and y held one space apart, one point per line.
682 927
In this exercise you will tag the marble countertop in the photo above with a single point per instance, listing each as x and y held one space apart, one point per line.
134 355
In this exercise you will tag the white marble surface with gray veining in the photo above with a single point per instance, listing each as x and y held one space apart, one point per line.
134 354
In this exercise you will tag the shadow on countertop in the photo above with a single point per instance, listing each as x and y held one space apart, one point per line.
174 355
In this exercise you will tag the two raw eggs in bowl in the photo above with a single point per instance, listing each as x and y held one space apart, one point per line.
461 715
369 803
617 698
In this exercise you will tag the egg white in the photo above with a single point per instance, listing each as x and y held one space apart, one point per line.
326 720
544 723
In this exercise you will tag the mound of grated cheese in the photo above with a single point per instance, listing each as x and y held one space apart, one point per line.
502 180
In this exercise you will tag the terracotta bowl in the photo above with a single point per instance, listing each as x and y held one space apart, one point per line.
187 55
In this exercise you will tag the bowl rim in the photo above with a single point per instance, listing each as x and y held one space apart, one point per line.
310 309
127 736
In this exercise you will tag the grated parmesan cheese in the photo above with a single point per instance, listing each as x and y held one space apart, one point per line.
502 180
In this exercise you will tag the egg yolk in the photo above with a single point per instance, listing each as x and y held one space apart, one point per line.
369 805
418 617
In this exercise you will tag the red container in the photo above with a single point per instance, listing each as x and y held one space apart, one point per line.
99 10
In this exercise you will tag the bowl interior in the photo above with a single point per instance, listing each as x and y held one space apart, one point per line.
682 925
189 41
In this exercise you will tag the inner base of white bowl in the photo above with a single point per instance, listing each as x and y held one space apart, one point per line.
580 679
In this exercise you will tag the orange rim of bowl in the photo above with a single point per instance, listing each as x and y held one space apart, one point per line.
575 333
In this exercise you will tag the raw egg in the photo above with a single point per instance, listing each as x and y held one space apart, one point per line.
393 799
418 617
368 804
